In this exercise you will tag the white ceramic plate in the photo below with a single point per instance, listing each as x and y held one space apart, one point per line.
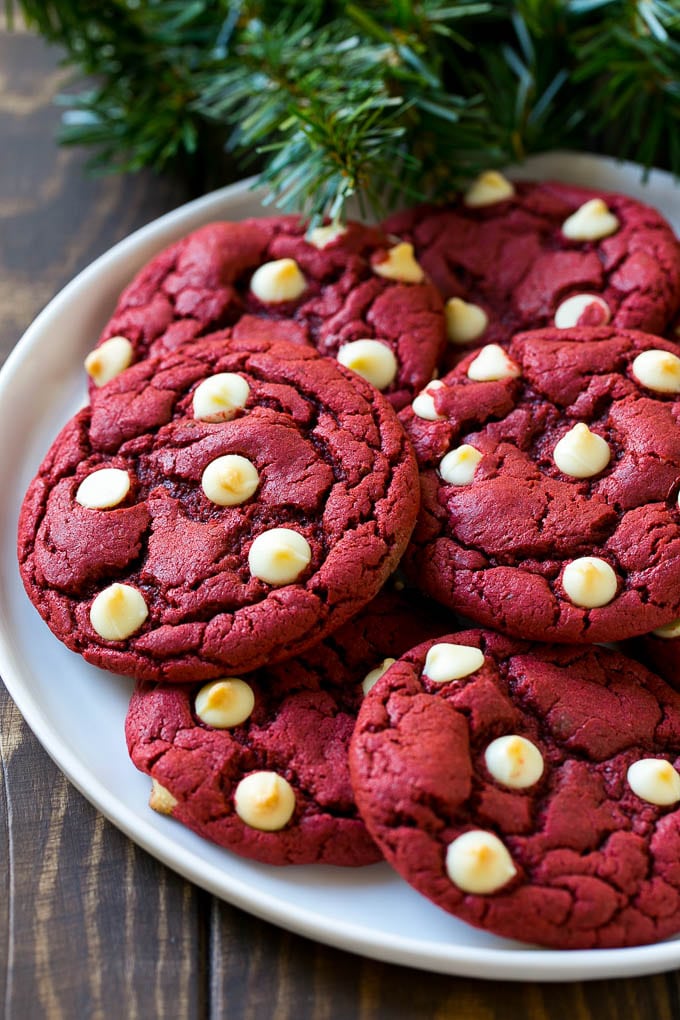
77 712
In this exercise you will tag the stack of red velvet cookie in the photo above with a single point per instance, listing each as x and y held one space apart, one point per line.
264 445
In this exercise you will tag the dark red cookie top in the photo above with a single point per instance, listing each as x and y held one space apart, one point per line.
513 260
578 857
328 462
203 283
298 722
506 544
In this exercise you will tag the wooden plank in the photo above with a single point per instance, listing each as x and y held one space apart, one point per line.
95 927
258 971
92 926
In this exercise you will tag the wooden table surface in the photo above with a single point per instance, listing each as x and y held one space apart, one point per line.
94 927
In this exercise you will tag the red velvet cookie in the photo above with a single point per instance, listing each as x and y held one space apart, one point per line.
216 509
285 730
549 477
511 259
265 278
530 790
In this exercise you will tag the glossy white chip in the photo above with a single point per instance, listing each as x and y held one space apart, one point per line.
491 364
423 404
589 582
109 360
220 396
465 321
658 370
279 556
224 703
570 311
103 489
265 800
446 661
160 799
514 761
319 237
458 466
371 359
478 862
229 480
372 677
281 280
489 188
591 222
400 264
118 611
654 780
581 453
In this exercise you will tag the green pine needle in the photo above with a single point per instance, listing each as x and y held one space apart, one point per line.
385 101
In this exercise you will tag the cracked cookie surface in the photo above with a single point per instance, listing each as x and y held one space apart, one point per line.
499 545
512 259
331 465
203 283
301 721
589 862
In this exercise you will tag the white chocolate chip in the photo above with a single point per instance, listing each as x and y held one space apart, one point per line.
230 480
478 862
279 556
570 311
589 582
658 370
400 264
489 188
654 780
423 404
109 360
160 799
581 453
118 611
514 761
265 800
321 236
491 364
370 359
464 321
276 281
458 466
220 396
224 703
446 661
591 222
103 489
669 630
371 678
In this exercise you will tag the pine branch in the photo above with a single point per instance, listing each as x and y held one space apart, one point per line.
383 99
347 115
629 71
143 58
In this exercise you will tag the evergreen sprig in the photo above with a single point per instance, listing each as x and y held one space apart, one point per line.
381 99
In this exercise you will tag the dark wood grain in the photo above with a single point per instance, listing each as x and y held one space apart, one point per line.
288 977
90 925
